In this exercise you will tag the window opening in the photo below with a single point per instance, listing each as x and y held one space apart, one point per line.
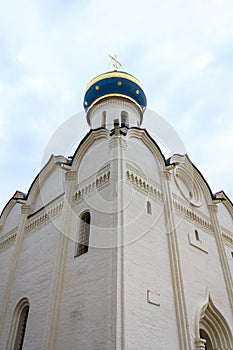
124 119
84 234
148 207
21 328
197 235
103 123
18 326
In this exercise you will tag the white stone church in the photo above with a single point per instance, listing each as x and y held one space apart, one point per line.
116 247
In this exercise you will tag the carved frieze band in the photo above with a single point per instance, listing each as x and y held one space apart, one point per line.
8 239
192 216
142 185
97 183
137 171
45 216
227 236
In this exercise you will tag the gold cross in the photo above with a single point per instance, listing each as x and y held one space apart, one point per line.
116 64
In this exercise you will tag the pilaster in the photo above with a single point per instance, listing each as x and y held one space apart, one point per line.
53 316
213 209
179 297
25 211
118 146
70 175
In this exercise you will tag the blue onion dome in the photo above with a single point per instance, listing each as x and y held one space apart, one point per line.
114 84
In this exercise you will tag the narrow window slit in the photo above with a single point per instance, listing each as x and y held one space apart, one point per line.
124 119
82 245
103 122
148 207
197 235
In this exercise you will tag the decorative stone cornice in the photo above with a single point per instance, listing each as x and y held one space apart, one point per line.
70 175
34 221
43 217
136 171
227 235
142 185
114 101
97 183
192 216
8 239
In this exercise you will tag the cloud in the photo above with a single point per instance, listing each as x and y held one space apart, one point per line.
180 50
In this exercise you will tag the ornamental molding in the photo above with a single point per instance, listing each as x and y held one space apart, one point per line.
187 183
142 135
8 239
114 101
118 141
201 220
70 175
136 170
96 182
166 174
132 167
213 208
26 209
227 235
43 216
35 220
143 186
93 136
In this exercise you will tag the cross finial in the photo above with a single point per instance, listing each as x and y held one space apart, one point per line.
116 63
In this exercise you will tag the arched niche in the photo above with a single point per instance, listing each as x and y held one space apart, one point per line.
211 328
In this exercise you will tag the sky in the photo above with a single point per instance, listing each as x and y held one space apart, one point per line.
180 50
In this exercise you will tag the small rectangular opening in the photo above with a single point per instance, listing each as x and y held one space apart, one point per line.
148 207
103 122
124 119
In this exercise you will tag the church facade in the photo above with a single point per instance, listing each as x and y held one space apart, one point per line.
117 247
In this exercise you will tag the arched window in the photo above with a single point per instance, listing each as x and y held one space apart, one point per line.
84 234
18 326
148 207
124 119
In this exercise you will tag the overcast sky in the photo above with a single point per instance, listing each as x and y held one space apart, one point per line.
180 50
